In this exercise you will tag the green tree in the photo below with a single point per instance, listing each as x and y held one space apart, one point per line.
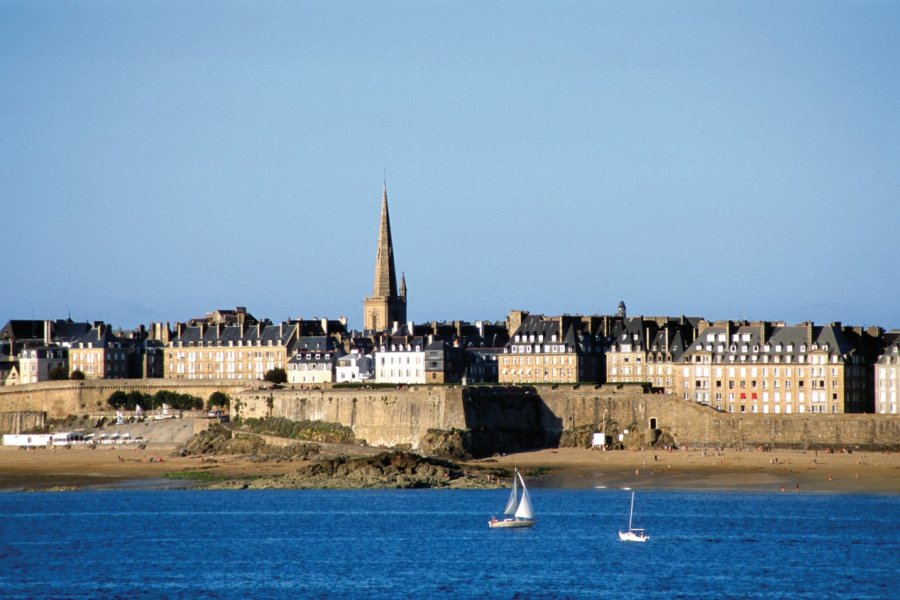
58 373
218 399
276 375
77 374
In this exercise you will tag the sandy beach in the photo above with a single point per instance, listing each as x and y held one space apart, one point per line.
809 471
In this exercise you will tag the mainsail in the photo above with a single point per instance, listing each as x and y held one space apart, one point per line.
524 511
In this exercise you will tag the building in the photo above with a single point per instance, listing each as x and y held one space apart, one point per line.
100 354
445 361
240 351
771 368
551 350
314 360
648 350
887 376
355 367
401 360
385 306
36 364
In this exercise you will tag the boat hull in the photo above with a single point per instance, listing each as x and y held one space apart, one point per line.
510 523
631 536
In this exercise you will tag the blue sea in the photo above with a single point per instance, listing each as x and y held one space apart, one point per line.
436 543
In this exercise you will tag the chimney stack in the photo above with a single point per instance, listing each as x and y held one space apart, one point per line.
48 332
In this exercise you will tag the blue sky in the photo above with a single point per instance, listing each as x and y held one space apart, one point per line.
719 159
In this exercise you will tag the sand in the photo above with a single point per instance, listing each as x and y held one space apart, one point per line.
809 471
565 467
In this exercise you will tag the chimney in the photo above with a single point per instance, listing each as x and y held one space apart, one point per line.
241 317
202 328
218 330
258 329
325 325
48 332
809 333
99 332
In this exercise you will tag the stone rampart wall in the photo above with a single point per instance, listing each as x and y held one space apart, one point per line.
508 417
696 425
58 399
381 416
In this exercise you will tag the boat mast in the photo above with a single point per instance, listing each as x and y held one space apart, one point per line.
631 512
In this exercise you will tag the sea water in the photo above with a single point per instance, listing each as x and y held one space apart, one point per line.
436 543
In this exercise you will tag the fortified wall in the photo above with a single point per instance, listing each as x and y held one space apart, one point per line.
497 418
509 418
59 399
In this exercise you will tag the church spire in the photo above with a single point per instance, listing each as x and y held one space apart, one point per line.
384 307
385 284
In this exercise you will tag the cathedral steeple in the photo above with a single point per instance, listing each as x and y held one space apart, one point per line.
385 307
385 275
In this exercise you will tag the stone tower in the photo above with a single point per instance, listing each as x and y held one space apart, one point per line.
385 306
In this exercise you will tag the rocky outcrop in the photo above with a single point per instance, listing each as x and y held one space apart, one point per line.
387 470
219 440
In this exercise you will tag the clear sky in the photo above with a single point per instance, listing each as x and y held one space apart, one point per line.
162 159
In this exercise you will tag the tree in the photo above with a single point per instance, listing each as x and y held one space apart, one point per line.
76 374
276 375
58 373
218 399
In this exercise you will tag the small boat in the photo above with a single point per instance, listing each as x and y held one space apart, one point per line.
633 534
518 511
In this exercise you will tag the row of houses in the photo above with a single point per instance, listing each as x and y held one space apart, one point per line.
759 367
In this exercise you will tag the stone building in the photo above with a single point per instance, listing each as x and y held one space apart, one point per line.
241 351
771 368
551 350
386 305
649 349
100 354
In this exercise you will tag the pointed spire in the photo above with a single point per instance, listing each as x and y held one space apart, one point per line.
403 286
385 284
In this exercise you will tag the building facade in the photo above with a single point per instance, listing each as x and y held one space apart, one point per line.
771 368
313 360
228 351
400 360
887 377
550 350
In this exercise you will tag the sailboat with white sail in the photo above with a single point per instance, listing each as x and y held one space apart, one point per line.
633 534
518 511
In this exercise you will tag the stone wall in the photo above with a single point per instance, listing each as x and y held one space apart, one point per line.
58 399
693 424
381 416
510 418
500 418
18 422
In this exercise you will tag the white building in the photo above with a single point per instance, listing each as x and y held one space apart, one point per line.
400 360
887 379
354 367
314 360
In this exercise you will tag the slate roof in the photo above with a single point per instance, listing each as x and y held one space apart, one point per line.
251 335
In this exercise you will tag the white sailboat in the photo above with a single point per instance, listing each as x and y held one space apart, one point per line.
633 534
518 511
